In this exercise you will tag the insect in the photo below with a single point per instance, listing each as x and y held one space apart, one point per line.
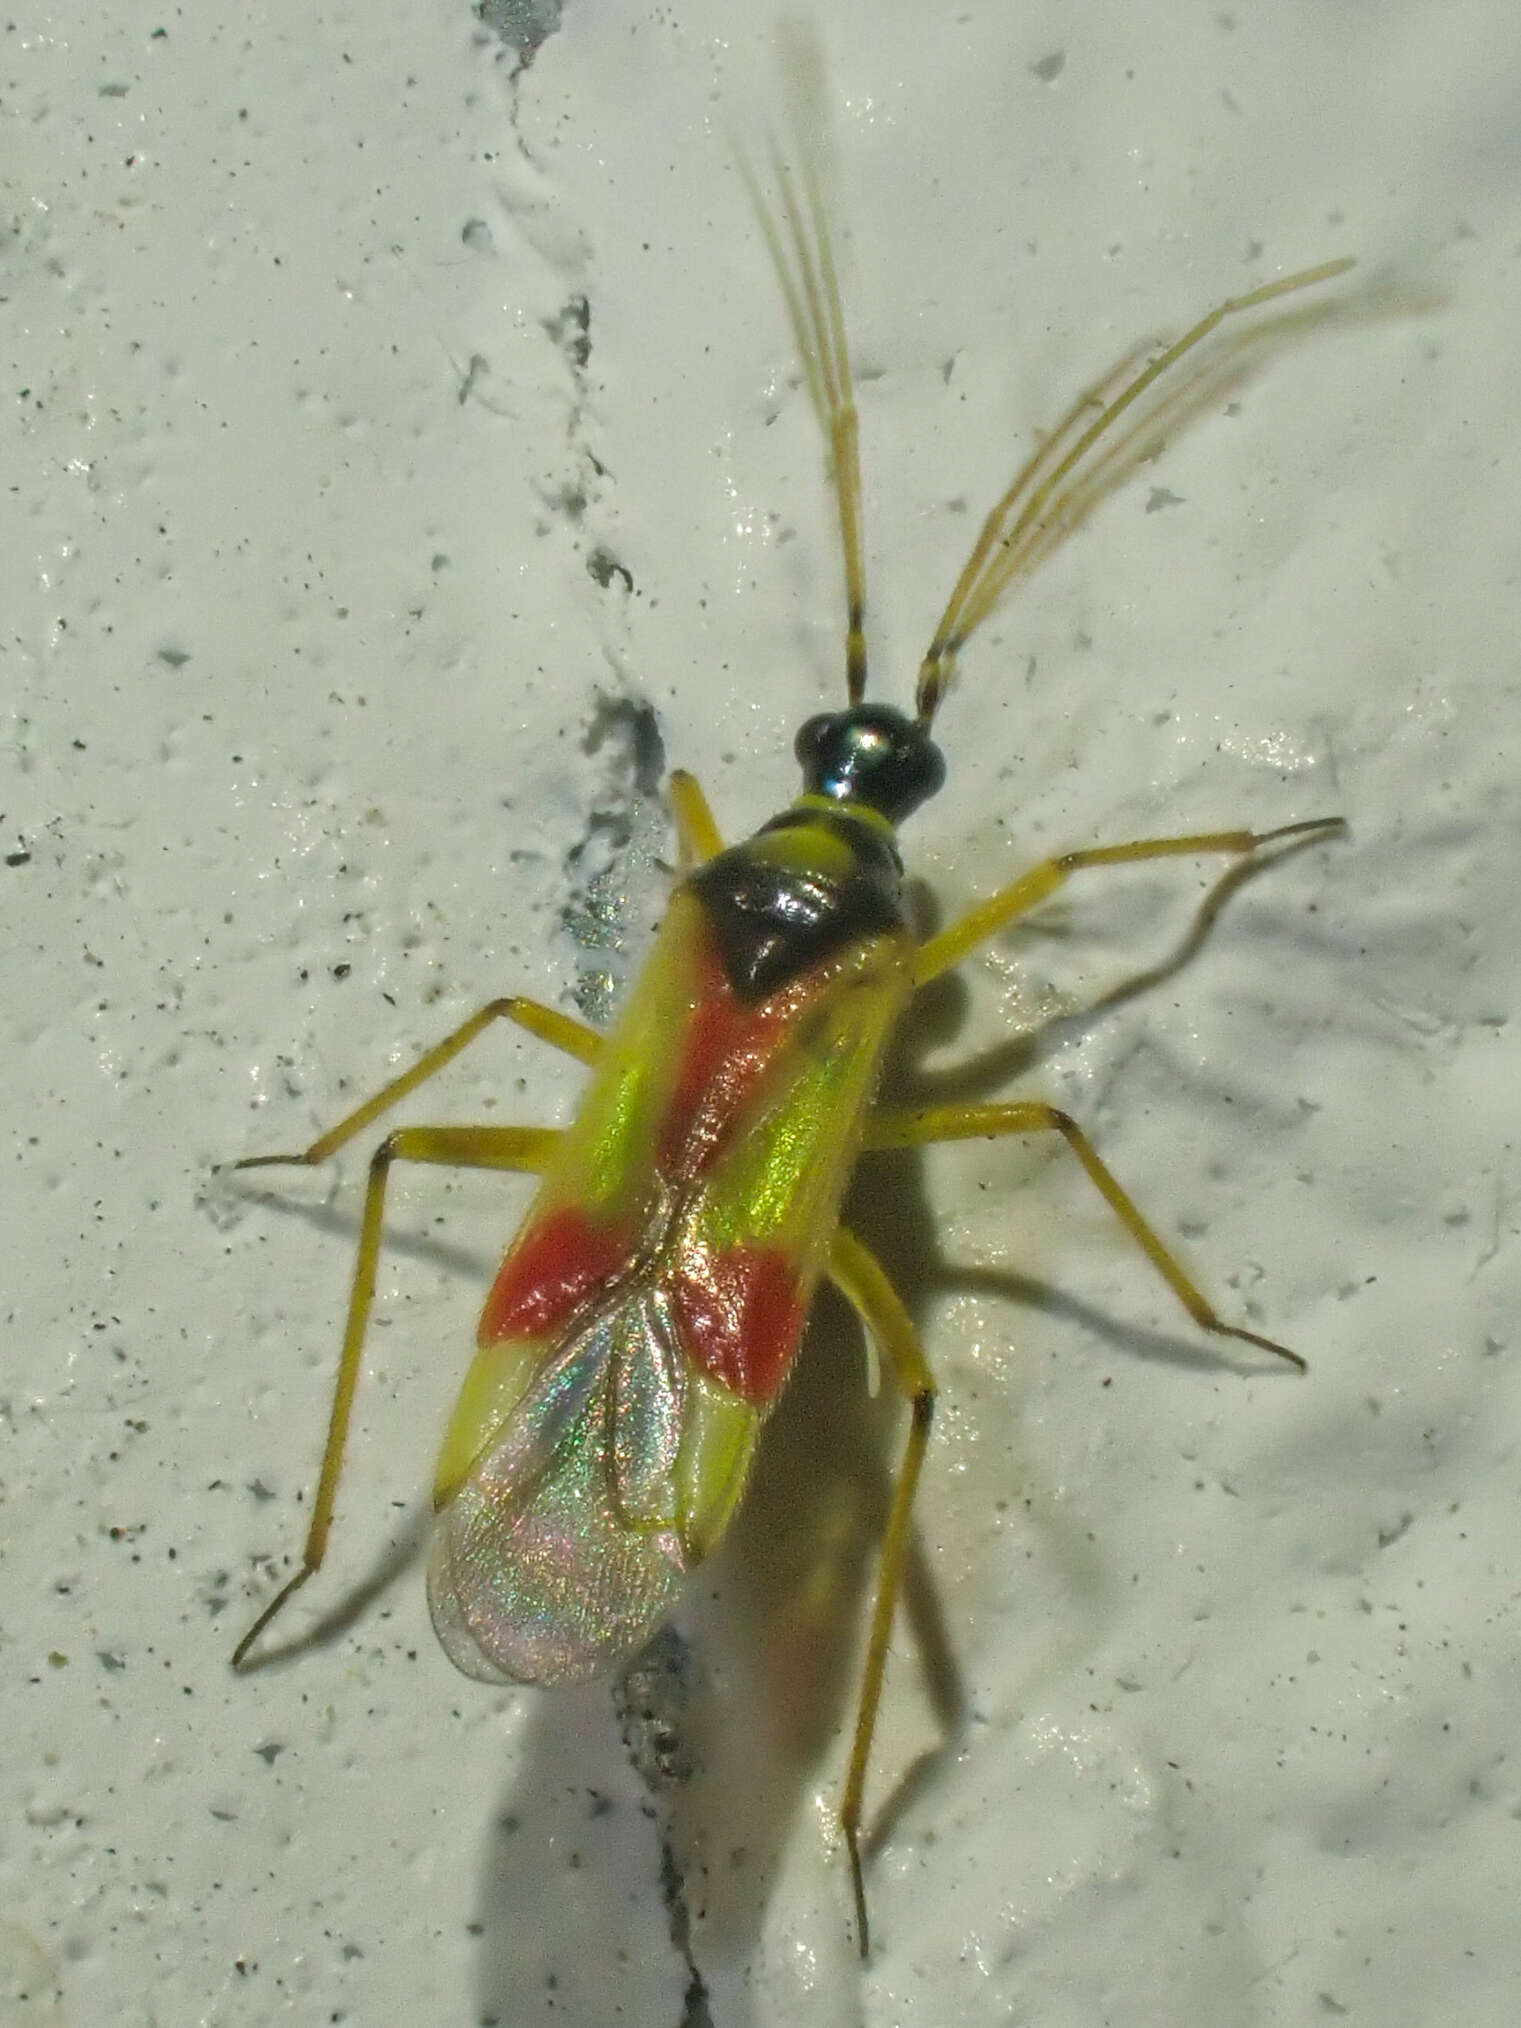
645 1318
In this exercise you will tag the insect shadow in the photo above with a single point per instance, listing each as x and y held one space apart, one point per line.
770 1639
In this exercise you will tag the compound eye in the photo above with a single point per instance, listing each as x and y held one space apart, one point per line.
813 739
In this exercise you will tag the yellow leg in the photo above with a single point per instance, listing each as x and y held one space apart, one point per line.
938 953
696 832
859 1277
521 1148
562 1031
905 1129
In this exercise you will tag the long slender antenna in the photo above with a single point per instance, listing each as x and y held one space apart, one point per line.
796 231
1059 486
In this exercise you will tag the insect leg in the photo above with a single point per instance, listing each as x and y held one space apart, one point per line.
859 1276
911 1129
521 1148
938 953
561 1031
696 832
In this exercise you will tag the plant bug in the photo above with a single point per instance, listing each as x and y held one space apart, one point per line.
646 1316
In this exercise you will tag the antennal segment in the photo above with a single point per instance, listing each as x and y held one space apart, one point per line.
1083 461
796 232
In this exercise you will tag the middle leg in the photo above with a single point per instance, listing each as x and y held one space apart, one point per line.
888 1128
513 1148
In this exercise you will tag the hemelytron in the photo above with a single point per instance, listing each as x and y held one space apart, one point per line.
644 1320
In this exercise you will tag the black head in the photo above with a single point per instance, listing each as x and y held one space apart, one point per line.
870 754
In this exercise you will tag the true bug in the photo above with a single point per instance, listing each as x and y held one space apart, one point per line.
645 1318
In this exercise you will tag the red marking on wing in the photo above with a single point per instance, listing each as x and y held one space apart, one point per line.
741 1315
552 1271
724 1051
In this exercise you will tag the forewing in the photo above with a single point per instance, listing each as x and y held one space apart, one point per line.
568 1540
753 1236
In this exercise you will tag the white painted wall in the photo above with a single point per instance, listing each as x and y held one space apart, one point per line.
300 657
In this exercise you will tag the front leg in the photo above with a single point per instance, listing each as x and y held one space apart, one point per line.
561 1031
938 953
